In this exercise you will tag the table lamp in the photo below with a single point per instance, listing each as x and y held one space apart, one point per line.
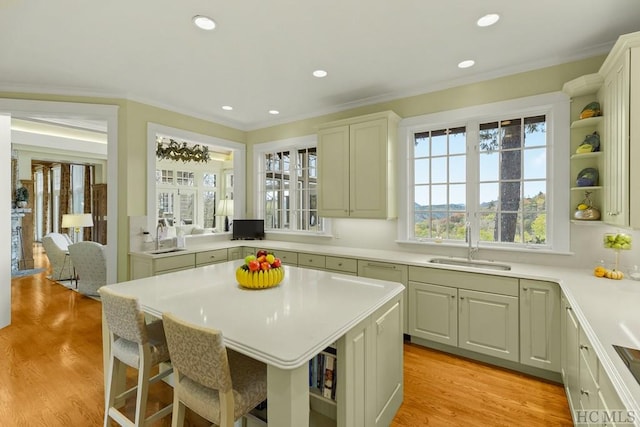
225 207
76 221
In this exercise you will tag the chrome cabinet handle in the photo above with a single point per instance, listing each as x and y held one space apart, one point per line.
584 347
583 391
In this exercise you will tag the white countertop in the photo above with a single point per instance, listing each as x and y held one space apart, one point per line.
284 326
608 310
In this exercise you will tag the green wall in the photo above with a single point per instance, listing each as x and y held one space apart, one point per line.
134 116
545 80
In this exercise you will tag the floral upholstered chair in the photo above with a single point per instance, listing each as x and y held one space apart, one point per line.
218 384
56 246
90 264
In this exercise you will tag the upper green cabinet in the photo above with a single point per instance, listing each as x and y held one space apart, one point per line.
356 167
620 99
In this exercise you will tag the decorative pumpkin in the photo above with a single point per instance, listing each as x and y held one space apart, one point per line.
614 274
599 271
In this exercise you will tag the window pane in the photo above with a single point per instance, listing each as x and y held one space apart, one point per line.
421 171
438 195
209 207
439 182
439 143
457 197
421 145
487 226
457 169
489 166
187 208
488 195
457 141
421 195
209 179
535 228
535 133
439 169
535 163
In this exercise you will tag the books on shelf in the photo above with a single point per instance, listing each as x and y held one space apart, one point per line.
322 373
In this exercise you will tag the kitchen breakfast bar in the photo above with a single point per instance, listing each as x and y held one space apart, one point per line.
288 325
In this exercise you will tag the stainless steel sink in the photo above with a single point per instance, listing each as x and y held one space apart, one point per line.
490 265
166 251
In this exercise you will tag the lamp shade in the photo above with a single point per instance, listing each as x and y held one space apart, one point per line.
225 207
77 220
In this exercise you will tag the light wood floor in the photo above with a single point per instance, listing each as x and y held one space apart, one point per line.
51 373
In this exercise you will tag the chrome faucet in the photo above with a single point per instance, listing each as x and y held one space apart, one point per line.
471 251
159 228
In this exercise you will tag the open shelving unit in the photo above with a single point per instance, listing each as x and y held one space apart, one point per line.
584 90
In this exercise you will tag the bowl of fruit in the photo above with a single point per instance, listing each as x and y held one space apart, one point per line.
618 241
260 271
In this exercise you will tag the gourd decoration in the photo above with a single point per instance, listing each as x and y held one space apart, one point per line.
591 144
588 177
592 109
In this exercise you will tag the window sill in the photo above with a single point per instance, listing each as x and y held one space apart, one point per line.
529 249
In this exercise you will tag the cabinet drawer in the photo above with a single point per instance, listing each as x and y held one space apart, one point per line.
287 257
175 262
460 279
347 265
311 260
589 399
210 257
588 353
246 251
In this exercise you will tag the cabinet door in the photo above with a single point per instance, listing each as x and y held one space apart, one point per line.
616 137
234 253
433 312
634 139
488 324
368 159
388 364
540 324
570 332
393 273
333 172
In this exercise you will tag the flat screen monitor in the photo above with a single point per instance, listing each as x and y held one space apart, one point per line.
248 229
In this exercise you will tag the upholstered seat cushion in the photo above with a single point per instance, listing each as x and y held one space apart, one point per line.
247 375
127 351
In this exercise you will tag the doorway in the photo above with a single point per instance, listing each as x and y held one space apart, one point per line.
60 111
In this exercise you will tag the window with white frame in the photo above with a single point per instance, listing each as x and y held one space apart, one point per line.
287 182
209 183
490 170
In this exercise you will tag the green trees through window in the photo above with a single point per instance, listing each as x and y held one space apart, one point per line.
492 174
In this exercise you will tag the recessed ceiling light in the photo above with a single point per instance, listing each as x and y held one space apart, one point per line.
320 73
466 64
204 22
488 20
227 107
274 112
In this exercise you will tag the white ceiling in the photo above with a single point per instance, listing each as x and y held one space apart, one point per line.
262 53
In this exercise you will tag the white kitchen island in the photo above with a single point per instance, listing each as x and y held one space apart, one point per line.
288 325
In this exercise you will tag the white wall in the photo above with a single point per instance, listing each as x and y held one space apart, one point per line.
5 220
586 244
